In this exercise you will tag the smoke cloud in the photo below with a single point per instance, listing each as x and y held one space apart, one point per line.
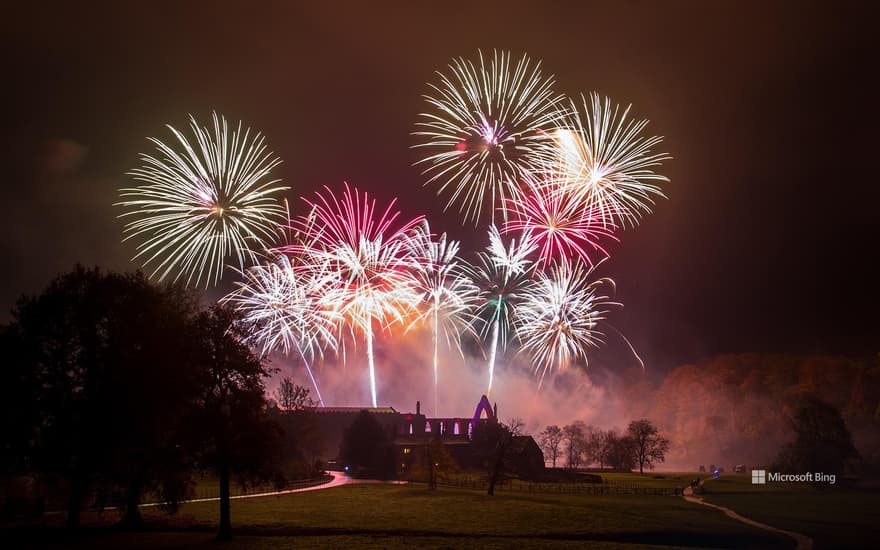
404 366
728 410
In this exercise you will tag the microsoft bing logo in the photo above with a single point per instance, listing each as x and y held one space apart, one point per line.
759 477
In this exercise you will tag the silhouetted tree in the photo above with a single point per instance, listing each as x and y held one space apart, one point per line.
19 408
649 447
822 441
592 445
365 447
618 451
231 420
495 442
292 397
436 464
153 346
303 442
93 354
551 441
573 436
598 442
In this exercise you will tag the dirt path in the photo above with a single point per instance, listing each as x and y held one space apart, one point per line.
803 542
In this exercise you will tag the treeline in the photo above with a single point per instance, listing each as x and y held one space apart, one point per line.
580 445
740 408
111 386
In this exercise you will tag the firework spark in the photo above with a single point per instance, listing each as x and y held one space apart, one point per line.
365 261
563 227
608 163
199 207
558 317
447 296
489 125
502 275
282 307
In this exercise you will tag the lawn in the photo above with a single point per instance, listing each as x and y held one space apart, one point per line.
406 516
659 480
834 517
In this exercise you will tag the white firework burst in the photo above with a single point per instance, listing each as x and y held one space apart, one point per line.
558 317
607 163
489 124
281 306
447 297
198 207
502 273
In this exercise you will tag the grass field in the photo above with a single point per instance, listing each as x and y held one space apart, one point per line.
834 517
660 480
398 516
387 516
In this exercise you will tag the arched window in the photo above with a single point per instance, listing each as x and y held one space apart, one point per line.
483 407
456 428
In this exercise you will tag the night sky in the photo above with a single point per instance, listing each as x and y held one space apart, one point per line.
768 241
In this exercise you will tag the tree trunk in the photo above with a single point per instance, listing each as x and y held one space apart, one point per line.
77 493
132 517
496 471
432 472
225 531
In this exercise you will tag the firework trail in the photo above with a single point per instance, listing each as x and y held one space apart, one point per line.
199 206
281 306
609 165
364 259
563 228
447 297
489 124
502 275
558 317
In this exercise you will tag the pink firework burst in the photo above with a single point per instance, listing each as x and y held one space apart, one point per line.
563 227
365 253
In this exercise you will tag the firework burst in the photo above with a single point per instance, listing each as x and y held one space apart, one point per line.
489 125
561 226
365 259
558 317
608 163
502 275
447 297
212 201
281 306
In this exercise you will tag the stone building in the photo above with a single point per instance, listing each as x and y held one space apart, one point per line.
410 433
